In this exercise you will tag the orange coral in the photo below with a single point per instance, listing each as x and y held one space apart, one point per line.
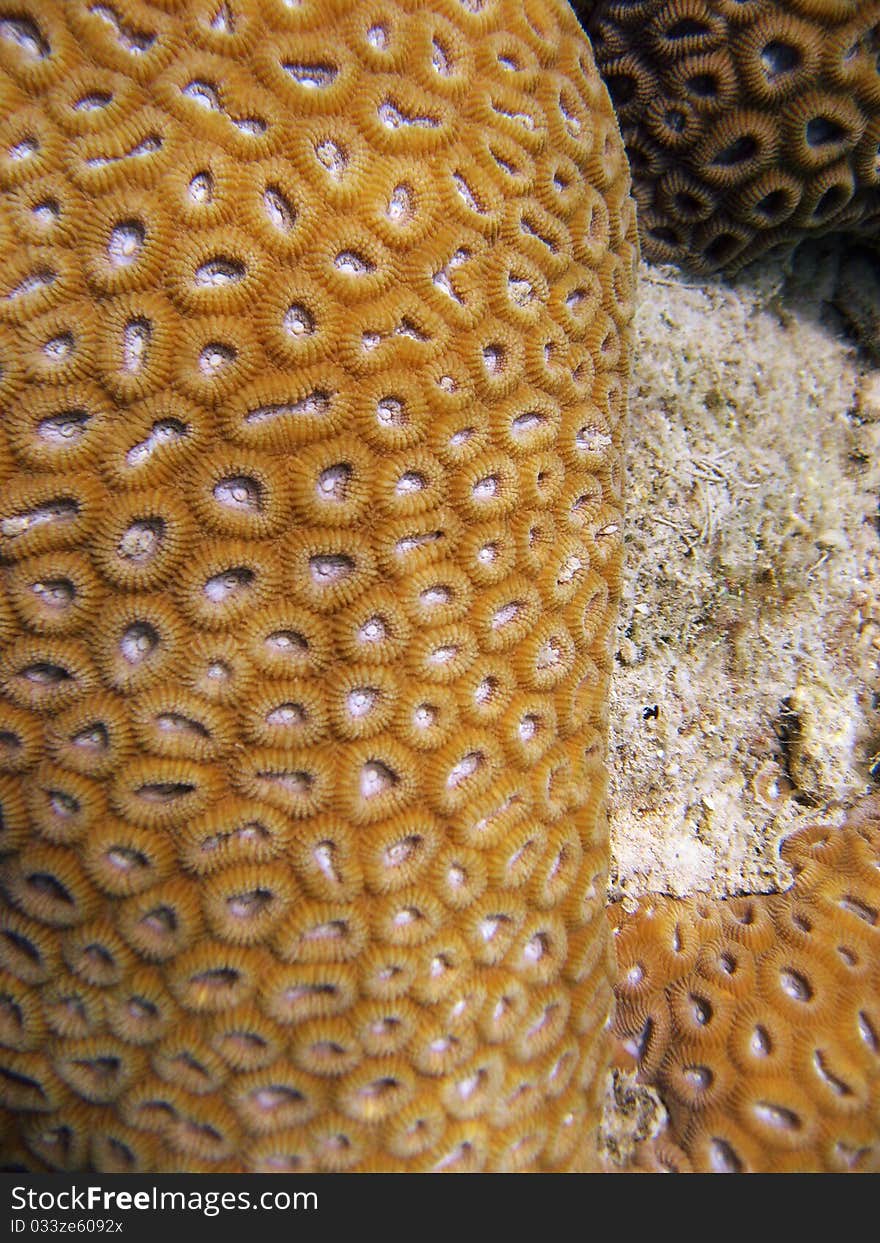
310 543
791 1077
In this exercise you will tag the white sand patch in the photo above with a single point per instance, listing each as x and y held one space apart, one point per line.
744 695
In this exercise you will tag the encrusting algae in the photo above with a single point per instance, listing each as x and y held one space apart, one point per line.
314 344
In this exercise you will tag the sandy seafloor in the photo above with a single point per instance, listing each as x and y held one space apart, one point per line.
745 695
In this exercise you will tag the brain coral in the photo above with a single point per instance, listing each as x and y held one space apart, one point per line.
314 338
749 124
758 1018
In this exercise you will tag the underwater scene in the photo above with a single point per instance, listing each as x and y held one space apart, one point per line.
439 586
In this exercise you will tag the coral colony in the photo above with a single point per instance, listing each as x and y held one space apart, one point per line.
758 1018
315 348
315 329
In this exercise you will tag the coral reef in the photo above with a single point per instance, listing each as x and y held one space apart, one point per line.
748 126
756 1019
314 340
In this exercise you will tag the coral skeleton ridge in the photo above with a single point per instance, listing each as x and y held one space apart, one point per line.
314 348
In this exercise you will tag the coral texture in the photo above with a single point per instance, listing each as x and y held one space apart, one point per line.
749 125
314 338
757 1019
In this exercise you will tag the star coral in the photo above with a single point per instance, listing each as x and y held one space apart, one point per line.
757 1018
314 338
749 126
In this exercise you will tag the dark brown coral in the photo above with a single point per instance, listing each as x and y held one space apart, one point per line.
769 111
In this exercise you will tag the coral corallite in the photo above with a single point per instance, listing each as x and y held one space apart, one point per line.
314 337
